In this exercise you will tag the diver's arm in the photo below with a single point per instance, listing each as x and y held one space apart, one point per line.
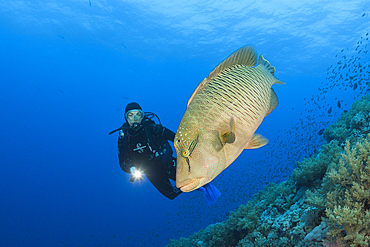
125 166
159 130
123 157
168 134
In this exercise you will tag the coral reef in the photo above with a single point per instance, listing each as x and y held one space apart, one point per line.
352 124
311 170
325 202
348 208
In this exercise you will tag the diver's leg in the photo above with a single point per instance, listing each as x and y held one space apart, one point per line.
160 180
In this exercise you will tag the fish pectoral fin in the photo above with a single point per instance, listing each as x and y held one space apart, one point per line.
229 137
199 87
273 102
257 141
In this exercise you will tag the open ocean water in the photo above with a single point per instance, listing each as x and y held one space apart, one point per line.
68 69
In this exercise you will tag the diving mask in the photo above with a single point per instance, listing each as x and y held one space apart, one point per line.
134 117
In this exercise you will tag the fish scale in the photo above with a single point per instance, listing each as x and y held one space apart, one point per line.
254 96
222 115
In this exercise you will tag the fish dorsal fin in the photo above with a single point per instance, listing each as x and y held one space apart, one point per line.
262 61
266 63
229 137
257 141
273 102
246 55
199 87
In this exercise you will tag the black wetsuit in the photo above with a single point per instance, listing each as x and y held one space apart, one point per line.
149 151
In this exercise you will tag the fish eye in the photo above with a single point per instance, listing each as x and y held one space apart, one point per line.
185 153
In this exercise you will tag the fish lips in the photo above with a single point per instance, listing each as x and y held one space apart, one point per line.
189 184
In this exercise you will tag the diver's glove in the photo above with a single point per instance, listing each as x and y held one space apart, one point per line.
135 174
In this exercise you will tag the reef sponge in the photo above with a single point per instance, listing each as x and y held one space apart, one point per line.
348 208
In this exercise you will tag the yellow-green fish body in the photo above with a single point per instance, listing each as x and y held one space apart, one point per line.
221 117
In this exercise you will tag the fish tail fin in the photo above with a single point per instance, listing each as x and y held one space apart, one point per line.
262 61
273 102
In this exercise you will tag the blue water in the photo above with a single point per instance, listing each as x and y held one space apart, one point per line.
68 69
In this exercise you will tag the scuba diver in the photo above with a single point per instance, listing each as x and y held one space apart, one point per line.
143 147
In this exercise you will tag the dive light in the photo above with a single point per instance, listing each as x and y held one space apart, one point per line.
136 174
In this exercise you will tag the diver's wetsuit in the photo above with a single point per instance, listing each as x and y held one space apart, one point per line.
149 151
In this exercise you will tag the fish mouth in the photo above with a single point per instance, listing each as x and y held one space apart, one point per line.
189 184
